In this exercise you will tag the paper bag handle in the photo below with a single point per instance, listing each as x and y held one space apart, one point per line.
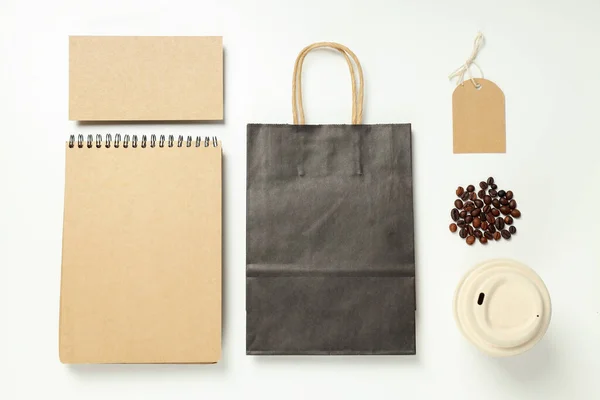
357 96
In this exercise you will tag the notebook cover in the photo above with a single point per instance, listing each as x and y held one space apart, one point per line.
141 268
145 78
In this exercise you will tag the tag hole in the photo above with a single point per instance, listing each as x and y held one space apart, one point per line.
538 315
480 299
478 87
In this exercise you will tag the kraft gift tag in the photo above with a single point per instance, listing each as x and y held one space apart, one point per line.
478 111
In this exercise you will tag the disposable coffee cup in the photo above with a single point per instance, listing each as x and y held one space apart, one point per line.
502 307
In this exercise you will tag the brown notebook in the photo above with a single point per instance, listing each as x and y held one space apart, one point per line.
141 267
145 78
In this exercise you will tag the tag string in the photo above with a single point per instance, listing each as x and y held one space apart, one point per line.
465 69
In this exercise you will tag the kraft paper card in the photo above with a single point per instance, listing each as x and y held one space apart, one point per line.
145 78
141 267
478 115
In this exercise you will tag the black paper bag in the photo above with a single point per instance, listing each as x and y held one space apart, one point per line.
330 252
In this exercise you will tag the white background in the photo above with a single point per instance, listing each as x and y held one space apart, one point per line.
543 54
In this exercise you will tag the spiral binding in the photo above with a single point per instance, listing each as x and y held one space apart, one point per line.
128 140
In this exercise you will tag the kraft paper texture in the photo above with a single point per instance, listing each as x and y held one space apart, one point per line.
145 78
478 115
141 268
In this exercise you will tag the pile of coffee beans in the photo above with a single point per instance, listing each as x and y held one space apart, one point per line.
486 215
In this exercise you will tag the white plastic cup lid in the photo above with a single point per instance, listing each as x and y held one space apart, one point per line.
502 307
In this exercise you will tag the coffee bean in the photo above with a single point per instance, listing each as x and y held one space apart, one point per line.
484 215
454 214
499 223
